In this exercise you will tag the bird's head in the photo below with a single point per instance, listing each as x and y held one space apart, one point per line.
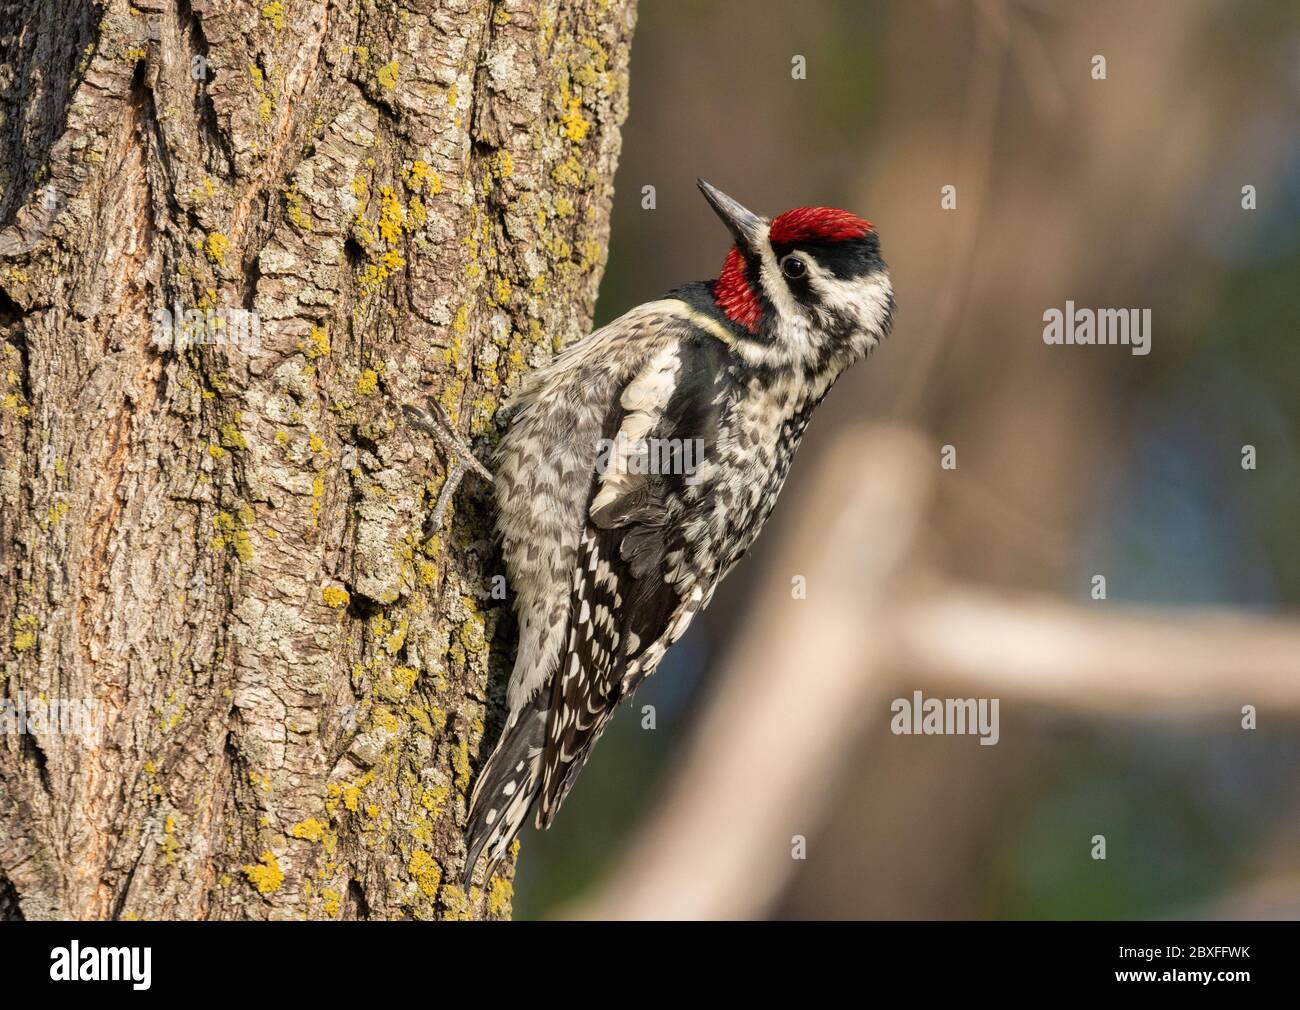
807 290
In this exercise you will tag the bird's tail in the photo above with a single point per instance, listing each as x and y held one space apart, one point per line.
506 787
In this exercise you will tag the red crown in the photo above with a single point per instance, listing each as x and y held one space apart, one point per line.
818 224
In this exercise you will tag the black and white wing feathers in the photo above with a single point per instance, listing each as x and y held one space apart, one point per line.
643 568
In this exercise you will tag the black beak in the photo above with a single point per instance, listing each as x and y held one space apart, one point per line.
746 226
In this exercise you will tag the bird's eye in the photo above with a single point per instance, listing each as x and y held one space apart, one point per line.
793 267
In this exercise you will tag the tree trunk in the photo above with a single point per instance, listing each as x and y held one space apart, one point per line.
236 238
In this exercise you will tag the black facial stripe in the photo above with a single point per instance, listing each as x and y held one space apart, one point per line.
754 278
845 260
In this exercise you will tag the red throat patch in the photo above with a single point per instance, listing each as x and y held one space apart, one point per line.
733 295
818 224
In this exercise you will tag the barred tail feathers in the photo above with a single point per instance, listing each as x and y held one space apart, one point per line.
506 788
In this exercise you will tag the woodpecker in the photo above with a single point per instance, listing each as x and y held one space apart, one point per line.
609 556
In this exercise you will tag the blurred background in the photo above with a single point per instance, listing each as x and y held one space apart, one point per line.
1119 717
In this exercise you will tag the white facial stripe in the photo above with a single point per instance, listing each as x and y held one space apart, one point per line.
865 299
769 276
794 342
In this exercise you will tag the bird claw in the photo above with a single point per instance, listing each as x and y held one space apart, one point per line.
433 420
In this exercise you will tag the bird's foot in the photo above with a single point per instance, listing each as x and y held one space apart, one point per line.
433 420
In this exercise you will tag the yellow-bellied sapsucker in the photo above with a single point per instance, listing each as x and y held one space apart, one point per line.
639 467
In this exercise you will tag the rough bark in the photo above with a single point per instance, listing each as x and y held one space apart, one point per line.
221 546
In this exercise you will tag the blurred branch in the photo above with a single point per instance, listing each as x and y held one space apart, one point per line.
1274 898
1103 657
806 681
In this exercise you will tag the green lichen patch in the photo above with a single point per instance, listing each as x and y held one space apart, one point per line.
25 628
274 12
387 75
234 532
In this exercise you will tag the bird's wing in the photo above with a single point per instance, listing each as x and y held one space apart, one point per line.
643 568
545 475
